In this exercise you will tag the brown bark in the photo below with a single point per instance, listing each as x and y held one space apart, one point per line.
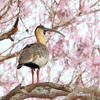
52 90
7 35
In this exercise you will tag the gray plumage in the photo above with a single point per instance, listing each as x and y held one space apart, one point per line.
34 55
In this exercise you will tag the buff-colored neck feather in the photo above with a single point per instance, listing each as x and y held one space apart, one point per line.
40 36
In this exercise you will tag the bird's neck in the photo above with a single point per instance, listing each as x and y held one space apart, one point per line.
41 38
41 41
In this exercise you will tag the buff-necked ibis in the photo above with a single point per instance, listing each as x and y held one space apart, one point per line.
36 55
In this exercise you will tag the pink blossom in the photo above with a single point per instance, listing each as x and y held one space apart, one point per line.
2 3
61 13
96 60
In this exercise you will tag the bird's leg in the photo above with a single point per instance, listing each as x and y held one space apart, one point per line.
32 70
38 74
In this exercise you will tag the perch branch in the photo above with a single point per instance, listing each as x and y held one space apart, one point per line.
38 90
52 90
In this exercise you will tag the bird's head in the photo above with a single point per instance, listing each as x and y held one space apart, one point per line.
40 32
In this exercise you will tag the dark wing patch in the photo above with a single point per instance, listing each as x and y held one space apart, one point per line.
31 65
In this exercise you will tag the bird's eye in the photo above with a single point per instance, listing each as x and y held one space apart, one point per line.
44 32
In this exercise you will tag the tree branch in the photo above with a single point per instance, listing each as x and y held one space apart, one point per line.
2 58
8 34
51 91
38 90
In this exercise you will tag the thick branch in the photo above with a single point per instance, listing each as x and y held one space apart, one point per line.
52 90
10 32
38 90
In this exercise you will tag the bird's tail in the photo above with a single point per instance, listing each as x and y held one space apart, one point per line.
19 66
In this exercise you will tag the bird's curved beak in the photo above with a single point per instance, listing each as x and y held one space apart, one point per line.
51 30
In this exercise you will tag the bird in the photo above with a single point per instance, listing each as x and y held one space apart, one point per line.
36 55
